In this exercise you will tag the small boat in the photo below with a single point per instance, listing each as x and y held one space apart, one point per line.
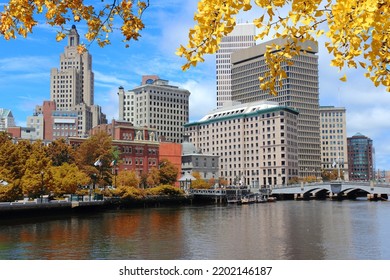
260 199
249 198
271 199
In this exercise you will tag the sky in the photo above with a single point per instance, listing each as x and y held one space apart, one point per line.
25 65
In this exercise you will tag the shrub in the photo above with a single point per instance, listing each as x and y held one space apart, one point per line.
129 193
164 190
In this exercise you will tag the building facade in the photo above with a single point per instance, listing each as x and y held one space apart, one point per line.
256 142
360 158
243 36
6 119
194 161
138 147
333 131
158 105
72 86
300 91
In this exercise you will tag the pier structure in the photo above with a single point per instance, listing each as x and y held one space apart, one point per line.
336 190
218 195
221 195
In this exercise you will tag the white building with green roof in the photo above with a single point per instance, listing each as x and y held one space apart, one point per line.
256 142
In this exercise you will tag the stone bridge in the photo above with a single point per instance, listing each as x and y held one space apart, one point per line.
333 190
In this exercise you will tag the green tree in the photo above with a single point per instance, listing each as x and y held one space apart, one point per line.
168 172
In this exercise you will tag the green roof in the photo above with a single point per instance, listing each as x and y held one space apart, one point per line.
244 115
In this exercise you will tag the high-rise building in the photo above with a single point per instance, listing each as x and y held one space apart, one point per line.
156 104
256 142
72 87
360 158
73 82
300 91
243 36
6 119
333 131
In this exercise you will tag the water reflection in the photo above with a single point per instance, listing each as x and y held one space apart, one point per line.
278 231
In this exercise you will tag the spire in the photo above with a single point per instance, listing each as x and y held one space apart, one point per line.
73 37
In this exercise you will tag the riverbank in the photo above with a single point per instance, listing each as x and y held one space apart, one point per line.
38 206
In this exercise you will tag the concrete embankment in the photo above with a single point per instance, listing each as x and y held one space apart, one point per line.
21 208
24 207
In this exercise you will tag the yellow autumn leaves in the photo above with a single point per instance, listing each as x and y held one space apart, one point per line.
18 18
357 33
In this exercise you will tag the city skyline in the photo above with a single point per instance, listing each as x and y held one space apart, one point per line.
26 63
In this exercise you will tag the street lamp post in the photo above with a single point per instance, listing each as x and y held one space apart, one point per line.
42 186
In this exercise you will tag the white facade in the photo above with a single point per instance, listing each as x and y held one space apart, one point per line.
156 104
300 91
195 161
72 83
35 126
6 119
256 142
334 151
241 37
72 86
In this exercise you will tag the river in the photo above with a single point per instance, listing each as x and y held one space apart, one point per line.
285 230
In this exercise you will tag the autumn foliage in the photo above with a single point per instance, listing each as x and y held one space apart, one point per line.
34 169
19 17
356 32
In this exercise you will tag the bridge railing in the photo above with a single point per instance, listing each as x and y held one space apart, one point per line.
362 183
208 191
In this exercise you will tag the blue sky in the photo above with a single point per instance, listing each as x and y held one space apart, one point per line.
25 73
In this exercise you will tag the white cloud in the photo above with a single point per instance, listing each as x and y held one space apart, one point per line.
109 102
25 64
202 98
104 80
372 121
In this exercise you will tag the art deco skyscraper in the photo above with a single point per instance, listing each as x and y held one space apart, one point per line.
241 37
72 89
73 82
300 91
